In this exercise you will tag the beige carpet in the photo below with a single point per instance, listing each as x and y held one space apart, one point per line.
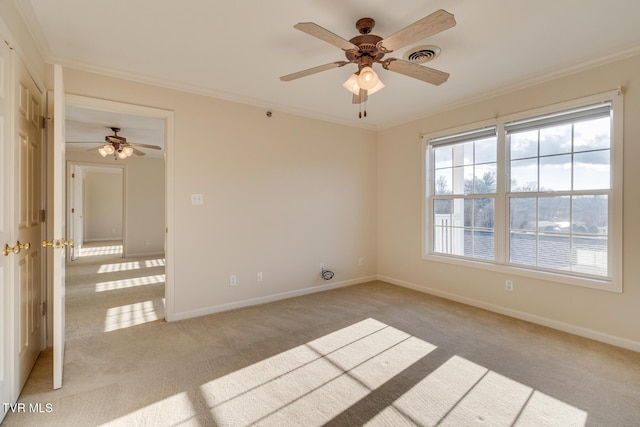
372 354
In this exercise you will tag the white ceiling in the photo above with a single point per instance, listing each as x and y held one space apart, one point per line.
237 50
86 129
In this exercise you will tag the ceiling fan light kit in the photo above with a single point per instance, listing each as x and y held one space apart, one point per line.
120 147
366 49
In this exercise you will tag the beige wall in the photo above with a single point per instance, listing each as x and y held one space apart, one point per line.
103 194
600 314
144 200
281 195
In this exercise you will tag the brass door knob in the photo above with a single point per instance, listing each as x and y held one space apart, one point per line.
57 243
15 249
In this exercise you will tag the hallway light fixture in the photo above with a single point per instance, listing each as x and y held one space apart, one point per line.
121 153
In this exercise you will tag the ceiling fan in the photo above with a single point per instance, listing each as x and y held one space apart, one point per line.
366 49
120 147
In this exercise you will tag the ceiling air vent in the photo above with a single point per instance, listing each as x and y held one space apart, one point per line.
422 54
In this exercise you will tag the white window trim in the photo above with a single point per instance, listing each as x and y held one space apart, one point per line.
615 214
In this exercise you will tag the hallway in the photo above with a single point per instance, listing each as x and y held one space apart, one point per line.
105 292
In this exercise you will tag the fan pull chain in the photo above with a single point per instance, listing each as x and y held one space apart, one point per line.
360 115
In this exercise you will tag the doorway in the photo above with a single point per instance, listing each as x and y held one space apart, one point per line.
144 239
97 205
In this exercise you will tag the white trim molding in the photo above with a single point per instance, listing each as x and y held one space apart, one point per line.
539 320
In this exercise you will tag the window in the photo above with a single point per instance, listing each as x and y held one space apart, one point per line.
538 192
464 194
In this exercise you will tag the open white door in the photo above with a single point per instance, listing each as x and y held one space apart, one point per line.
6 263
59 241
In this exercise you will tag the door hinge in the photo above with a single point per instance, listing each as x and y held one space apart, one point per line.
73 210
44 122
43 215
44 308
73 175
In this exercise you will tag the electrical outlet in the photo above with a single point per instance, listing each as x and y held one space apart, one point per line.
321 266
259 276
508 285
197 199
233 280
361 261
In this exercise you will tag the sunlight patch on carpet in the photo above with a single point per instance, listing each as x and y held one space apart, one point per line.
154 263
100 250
461 392
129 283
121 266
315 382
129 315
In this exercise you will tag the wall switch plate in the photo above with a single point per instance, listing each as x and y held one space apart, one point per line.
197 199
233 280
259 276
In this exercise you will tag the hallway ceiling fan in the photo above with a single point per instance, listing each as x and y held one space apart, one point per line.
367 49
120 147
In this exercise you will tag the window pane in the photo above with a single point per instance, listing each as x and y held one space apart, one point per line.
468 153
443 157
441 239
591 170
554 251
443 180
589 255
483 212
522 213
524 175
485 179
486 150
522 248
555 173
524 144
483 244
462 175
590 214
441 207
555 140
554 214
592 134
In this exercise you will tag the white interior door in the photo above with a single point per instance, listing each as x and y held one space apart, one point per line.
58 224
6 263
28 154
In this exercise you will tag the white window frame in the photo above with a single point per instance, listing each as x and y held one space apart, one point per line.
501 226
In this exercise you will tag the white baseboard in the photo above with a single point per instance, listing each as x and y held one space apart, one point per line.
268 298
554 324
145 254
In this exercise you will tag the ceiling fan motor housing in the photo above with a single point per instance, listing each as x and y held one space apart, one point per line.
367 52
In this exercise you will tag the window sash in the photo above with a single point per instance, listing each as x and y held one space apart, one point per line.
588 112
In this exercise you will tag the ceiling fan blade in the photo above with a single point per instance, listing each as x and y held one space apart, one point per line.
428 26
313 70
420 72
137 144
317 31
138 152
